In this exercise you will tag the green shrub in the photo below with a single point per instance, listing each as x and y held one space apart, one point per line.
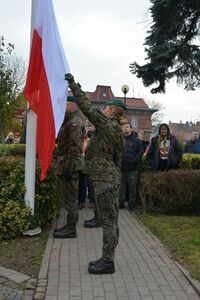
46 200
144 164
175 191
190 161
12 188
13 220
12 149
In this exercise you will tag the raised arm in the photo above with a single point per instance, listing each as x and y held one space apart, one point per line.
94 115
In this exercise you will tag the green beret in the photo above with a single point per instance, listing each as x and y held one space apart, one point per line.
116 102
71 99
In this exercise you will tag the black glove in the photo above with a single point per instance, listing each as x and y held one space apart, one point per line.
69 77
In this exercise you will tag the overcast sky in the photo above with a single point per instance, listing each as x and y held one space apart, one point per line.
101 39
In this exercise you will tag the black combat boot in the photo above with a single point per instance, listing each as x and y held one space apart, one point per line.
92 223
94 262
65 232
102 267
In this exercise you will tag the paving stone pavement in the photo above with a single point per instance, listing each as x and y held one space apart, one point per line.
11 284
144 270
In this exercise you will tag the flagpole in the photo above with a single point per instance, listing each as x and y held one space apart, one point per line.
30 157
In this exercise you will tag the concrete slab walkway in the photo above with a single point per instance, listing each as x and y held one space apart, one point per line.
144 269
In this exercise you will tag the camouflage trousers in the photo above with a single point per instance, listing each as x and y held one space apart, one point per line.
107 207
70 189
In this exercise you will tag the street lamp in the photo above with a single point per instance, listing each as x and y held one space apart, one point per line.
125 89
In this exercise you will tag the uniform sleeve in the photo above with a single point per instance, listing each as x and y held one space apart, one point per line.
94 115
76 136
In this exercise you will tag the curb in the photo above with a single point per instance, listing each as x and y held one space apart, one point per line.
195 283
37 291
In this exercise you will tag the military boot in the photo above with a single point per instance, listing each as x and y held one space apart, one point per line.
92 223
94 262
62 228
65 232
102 267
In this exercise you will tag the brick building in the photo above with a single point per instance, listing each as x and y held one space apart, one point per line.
183 131
138 112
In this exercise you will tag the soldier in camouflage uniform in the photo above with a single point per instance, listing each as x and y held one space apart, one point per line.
70 162
106 148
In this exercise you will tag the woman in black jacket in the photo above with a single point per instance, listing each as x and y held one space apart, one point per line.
164 152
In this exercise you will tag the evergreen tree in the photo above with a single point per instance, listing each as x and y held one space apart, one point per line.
170 45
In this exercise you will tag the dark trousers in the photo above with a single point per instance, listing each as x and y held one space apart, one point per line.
129 181
91 196
82 192
107 207
70 198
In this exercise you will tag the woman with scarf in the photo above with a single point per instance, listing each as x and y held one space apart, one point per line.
164 152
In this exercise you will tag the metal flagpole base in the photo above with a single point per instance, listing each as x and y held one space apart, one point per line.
32 232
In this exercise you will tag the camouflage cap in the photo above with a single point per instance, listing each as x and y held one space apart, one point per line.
71 99
116 102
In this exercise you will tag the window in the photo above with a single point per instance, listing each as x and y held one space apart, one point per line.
104 95
134 122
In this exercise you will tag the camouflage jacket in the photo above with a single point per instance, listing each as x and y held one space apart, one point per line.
106 146
70 143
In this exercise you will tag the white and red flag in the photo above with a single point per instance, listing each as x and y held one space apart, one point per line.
46 89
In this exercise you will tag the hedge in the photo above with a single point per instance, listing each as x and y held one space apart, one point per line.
12 150
175 191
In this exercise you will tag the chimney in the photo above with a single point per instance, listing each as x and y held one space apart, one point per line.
180 121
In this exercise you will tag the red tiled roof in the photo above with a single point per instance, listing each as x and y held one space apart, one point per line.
134 102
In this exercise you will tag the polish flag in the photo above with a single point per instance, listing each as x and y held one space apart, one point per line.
46 89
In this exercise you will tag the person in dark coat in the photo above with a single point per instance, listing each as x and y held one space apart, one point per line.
106 148
164 151
193 145
131 159
70 163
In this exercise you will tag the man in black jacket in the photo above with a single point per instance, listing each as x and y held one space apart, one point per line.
193 145
129 167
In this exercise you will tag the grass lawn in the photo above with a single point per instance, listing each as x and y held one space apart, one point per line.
24 254
180 235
